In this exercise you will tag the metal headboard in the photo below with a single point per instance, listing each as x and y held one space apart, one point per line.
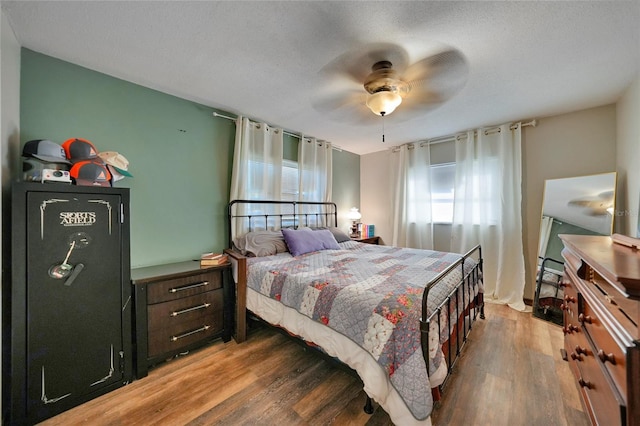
251 215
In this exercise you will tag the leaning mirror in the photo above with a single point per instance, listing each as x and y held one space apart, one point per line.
582 205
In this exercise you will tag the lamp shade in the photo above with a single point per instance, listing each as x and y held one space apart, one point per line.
354 214
383 102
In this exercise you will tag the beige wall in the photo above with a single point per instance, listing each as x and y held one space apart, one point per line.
628 160
375 197
574 144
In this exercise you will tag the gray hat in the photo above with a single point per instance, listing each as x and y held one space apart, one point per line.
45 150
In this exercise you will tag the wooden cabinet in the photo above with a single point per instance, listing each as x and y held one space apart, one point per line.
368 240
178 307
601 307
70 299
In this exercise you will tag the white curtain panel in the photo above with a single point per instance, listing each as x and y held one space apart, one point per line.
257 165
411 191
487 210
315 159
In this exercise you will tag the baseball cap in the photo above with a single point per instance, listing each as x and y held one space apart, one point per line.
90 173
117 161
45 150
77 149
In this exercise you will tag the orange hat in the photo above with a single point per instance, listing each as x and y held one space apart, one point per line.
77 149
90 173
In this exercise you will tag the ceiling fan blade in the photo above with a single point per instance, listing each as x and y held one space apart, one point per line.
349 107
435 79
356 63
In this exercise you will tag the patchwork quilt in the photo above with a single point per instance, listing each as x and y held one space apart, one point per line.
373 295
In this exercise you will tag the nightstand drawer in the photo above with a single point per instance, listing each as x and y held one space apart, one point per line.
171 340
183 287
170 314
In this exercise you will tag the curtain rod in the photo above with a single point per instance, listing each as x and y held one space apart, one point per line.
285 132
489 131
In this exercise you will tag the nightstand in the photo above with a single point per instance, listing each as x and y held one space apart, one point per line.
178 307
369 240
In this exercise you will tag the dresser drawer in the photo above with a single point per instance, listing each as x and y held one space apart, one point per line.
570 298
606 349
604 404
177 324
183 287
576 356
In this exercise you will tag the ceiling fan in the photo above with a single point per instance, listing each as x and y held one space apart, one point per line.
380 76
599 205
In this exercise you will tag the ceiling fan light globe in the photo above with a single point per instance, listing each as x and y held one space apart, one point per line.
383 102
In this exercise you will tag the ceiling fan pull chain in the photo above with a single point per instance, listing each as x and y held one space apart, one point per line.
382 114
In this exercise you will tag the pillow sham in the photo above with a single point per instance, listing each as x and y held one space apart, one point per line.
260 243
339 234
304 240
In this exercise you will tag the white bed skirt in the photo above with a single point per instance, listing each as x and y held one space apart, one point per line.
376 382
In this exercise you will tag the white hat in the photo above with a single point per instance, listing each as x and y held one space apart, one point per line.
117 161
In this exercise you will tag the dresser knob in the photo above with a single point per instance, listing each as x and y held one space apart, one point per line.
606 357
583 383
569 299
570 329
564 307
585 318
575 356
580 350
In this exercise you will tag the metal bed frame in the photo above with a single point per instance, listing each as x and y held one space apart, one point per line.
271 214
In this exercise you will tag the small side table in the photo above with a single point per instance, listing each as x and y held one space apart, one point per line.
368 240
178 307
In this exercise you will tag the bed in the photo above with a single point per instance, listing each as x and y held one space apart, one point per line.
398 317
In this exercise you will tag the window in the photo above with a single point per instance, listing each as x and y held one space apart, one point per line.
289 180
442 186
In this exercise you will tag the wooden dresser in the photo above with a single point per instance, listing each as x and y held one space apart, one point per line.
601 285
178 307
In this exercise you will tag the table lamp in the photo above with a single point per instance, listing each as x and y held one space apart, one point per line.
354 215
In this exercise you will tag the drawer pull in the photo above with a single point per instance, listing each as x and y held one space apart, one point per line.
585 318
580 350
194 308
606 357
188 287
575 356
570 329
189 333
585 384
569 299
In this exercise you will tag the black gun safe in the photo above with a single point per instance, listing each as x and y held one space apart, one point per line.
70 298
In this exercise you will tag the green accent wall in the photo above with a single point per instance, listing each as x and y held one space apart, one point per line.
179 154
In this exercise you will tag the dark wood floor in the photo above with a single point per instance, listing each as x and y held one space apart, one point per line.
510 373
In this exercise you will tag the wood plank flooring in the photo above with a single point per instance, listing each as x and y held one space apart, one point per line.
510 373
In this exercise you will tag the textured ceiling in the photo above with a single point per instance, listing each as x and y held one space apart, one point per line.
263 59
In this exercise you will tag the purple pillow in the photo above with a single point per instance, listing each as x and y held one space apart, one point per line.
304 240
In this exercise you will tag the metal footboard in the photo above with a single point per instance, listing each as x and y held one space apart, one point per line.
466 303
